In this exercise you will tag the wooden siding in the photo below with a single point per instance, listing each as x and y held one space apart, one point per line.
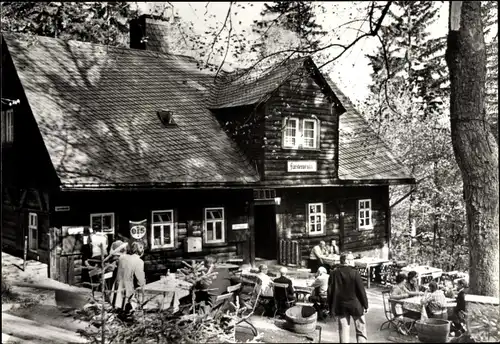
301 98
188 208
292 217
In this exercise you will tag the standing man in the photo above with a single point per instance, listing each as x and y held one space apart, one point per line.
316 257
347 299
130 274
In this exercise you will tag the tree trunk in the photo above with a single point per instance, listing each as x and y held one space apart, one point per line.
475 148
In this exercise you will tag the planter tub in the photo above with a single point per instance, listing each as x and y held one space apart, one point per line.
433 330
301 319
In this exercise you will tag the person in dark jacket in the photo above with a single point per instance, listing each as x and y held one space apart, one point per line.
347 299
460 312
283 296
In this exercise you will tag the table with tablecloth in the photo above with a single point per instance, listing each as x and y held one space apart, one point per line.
301 286
332 260
414 303
424 272
165 293
368 264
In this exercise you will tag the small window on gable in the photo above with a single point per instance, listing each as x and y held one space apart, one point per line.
167 118
365 214
8 126
301 133
316 218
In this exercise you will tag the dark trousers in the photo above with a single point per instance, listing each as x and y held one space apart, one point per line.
314 264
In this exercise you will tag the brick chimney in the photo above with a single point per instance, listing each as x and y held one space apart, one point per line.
147 33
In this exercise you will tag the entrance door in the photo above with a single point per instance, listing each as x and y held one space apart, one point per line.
265 232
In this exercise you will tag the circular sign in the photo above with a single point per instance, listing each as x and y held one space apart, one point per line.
138 231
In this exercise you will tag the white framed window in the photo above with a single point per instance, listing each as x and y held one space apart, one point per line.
213 226
301 134
8 126
309 133
365 214
162 229
316 218
33 231
103 222
291 133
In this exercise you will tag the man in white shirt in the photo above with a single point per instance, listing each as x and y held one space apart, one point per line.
320 290
266 282
316 257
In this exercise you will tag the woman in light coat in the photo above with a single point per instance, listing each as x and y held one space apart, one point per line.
129 266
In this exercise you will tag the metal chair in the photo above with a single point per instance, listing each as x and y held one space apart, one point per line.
244 313
397 322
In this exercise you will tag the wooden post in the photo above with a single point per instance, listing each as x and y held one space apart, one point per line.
251 225
25 251
103 282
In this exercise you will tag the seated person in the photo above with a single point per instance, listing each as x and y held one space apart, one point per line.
209 290
412 282
399 291
316 257
435 302
266 287
334 249
459 312
320 290
283 296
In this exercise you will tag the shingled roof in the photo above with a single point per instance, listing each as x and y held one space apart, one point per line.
362 153
244 88
96 108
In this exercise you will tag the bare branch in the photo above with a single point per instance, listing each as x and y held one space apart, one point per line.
372 33
385 82
228 42
206 7
220 31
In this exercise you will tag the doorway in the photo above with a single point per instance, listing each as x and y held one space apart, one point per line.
266 246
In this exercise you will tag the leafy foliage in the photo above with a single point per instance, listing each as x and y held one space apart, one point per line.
409 109
96 22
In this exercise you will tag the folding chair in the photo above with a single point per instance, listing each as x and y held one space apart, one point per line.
96 272
281 300
244 313
397 322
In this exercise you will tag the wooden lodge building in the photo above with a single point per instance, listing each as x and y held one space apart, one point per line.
248 166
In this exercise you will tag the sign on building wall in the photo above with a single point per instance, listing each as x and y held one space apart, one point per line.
137 229
302 166
240 226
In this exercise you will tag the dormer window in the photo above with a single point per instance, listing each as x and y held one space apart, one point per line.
8 126
301 133
167 118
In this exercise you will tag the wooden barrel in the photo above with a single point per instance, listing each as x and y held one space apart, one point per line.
301 319
433 330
